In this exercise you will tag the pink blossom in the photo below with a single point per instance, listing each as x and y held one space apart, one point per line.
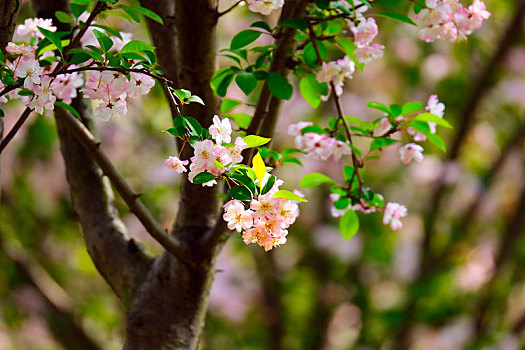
29 28
65 86
295 129
117 84
287 211
140 84
365 32
118 43
204 156
265 205
393 213
111 109
28 51
96 87
265 7
44 97
237 217
366 54
222 156
221 130
30 70
174 163
235 152
335 72
434 107
409 152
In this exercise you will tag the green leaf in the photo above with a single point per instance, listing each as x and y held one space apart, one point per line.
262 25
69 108
349 224
148 13
292 160
312 90
437 141
314 129
411 107
289 195
228 104
429 117
316 179
194 125
240 192
269 184
244 180
243 38
246 82
203 177
397 17
137 46
221 80
255 141
64 17
243 120
105 42
309 53
379 106
195 98
54 37
77 9
259 168
348 172
279 86
79 58
349 47
342 203
381 142
396 110
297 23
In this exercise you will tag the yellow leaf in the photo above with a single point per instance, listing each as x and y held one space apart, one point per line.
259 168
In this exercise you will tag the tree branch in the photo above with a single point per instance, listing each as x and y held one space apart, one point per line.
130 197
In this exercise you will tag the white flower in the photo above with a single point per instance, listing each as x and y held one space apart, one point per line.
174 163
204 156
237 218
235 152
106 111
44 97
265 7
29 28
31 70
394 212
140 84
411 151
221 130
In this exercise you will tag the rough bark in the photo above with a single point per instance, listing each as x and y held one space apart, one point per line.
8 13
169 309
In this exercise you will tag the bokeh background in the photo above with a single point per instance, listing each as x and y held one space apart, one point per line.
375 291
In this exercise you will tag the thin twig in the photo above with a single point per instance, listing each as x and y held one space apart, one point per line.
15 129
129 196
219 14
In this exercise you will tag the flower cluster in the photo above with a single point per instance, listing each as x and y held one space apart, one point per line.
364 33
318 146
37 79
265 7
112 89
335 72
393 213
267 220
450 20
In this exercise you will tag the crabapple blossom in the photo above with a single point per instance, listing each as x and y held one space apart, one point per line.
237 217
335 72
364 32
221 130
411 151
31 71
30 27
264 205
174 163
27 51
111 109
44 97
235 152
383 127
366 54
265 7
393 213
140 84
319 146
204 157
65 86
